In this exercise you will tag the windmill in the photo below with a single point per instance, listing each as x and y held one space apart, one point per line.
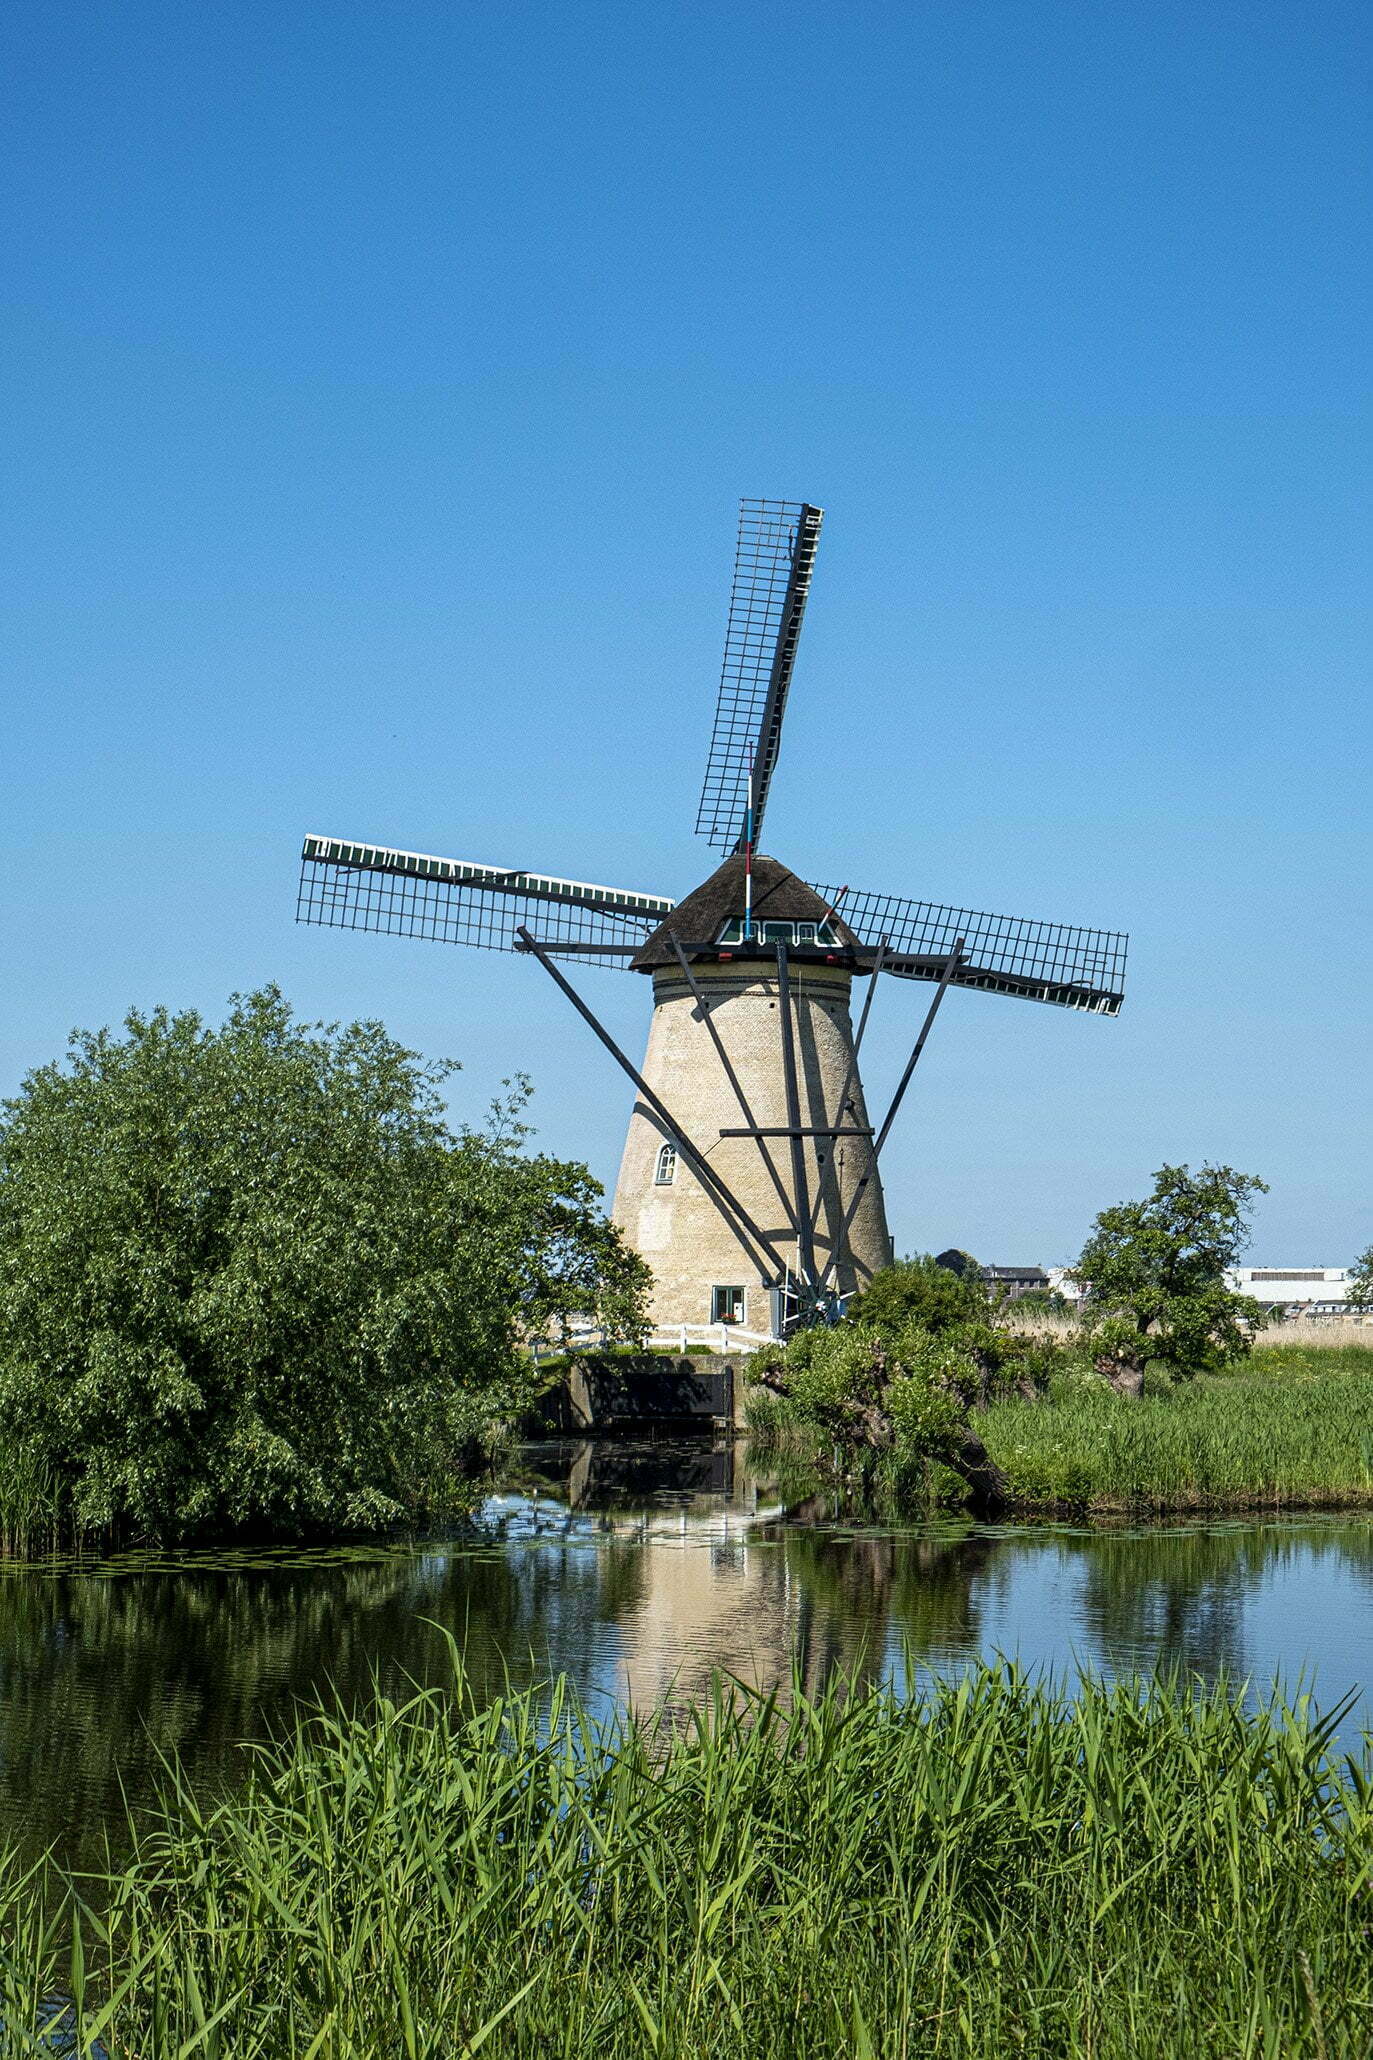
750 1178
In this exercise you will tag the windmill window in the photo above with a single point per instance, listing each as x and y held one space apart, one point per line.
727 1305
778 933
665 1172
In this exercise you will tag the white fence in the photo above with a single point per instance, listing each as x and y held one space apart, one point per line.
715 1337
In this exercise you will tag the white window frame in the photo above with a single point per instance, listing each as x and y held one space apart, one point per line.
817 935
665 1166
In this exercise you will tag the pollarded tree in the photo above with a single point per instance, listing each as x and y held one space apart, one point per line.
250 1279
873 1397
1155 1276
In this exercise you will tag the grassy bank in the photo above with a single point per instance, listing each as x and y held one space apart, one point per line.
999 1871
1290 1428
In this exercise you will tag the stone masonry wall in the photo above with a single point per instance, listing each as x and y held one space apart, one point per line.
681 1229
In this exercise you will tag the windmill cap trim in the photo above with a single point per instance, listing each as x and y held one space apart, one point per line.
778 897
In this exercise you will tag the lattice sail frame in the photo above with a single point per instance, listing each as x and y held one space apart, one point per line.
1016 955
773 562
351 886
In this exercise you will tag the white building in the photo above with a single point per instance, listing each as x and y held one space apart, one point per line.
1296 1290
1061 1282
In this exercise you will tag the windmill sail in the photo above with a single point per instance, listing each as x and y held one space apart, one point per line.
772 572
1035 961
351 886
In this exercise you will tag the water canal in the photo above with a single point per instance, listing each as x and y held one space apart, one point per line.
637 1570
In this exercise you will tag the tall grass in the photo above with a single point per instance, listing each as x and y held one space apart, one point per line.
1001 1869
1322 1334
1292 1429
30 1507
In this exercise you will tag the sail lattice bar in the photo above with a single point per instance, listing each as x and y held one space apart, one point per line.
1034 961
774 560
353 886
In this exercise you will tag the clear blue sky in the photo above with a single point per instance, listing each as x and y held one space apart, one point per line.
381 381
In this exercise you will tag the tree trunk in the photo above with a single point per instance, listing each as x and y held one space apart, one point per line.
1125 1375
990 1492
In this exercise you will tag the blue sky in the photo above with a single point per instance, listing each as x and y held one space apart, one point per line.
382 382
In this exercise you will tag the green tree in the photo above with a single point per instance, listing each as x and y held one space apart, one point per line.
1359 1294
1155 1273
251 1281
920 1291
894 1400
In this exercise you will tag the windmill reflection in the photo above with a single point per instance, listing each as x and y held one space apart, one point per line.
746 1581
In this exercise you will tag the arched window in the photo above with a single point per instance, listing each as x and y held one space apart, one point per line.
666 1171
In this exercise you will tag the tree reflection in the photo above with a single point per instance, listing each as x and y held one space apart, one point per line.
1182 1595
636 1571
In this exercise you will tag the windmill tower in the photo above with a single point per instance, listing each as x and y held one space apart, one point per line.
750 1179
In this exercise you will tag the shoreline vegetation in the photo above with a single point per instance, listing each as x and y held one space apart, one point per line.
1154 1396
1288 1428
256 1284
1001 1866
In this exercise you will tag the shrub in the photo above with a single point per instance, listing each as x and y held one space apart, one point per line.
920 1291
251 1280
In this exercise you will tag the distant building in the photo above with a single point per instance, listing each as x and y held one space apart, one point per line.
1296 1290
1061 1282
1014 1281
1010 1280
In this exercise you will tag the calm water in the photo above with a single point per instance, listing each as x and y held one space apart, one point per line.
637 1569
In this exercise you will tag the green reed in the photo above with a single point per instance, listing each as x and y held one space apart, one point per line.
1000 1868
1292 1429
30 1513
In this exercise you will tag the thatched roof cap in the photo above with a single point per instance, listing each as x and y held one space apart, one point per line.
778 897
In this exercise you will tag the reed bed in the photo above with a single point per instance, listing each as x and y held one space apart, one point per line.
1000 1868
1322 1334
1292 1430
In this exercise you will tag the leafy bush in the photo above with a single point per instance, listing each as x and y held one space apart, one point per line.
251 1280
1360 1289
920 1291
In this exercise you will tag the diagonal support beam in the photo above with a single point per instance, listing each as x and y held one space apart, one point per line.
951 965
879 960
851 1070
733 1209
699 997
798 1151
